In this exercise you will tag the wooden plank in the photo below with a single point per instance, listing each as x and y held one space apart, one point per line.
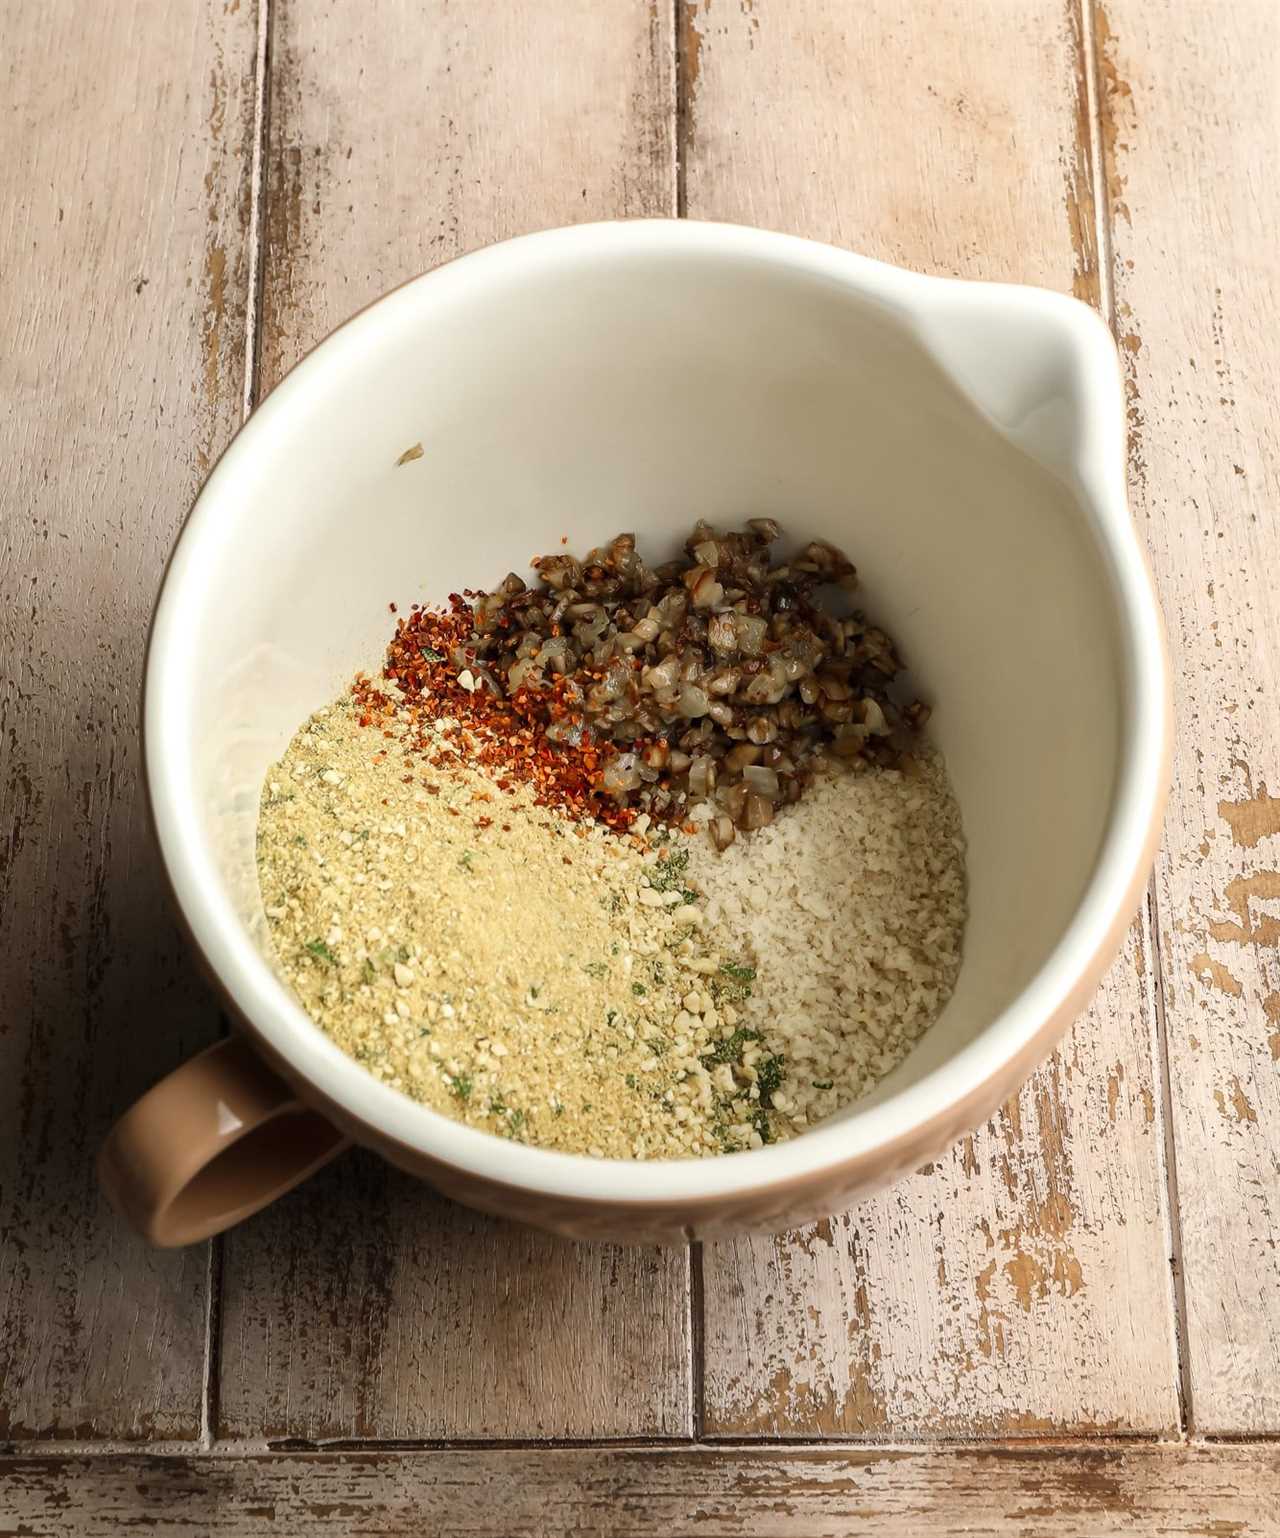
1021 1284
124 204
1096 1492
366 1307
403 134
1190 119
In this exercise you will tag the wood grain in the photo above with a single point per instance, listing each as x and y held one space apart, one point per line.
123 246
1022 1284
401 135
1166 1492
368 1307
1191 119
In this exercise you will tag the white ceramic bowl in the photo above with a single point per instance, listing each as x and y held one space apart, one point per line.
963 442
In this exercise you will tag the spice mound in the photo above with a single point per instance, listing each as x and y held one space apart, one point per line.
541 978
718 678
636 863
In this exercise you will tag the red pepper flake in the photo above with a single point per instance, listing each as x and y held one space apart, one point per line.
505 736
506 827
566 859
453 811
392 607
484 822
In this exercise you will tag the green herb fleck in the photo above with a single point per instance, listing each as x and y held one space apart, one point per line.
497 1105
462 1086
465 859
760 1121
631 1081
595 969
822 1084
610 1016
739 974
731 1048
430 654
299 840
321 951
363 835
769 1074
639 990
665 875
402 953
370 971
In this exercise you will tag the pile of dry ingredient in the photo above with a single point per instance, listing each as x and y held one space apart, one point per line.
462 911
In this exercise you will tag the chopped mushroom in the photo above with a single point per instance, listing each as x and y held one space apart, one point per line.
678 677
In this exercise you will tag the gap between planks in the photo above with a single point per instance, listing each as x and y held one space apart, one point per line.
267 1451
209 1398
257 204
1101 194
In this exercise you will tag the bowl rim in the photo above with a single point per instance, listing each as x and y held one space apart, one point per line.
922 1116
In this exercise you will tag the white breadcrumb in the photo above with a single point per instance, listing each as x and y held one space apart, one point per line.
852 903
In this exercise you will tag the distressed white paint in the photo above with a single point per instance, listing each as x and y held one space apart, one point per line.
1072 1492
1192 121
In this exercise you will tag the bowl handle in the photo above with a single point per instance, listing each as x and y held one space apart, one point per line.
217 1140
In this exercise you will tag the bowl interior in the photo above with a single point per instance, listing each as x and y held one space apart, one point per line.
577 393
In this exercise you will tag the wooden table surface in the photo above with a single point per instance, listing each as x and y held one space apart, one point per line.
1071 1322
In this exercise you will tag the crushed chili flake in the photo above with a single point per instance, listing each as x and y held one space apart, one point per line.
511 738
